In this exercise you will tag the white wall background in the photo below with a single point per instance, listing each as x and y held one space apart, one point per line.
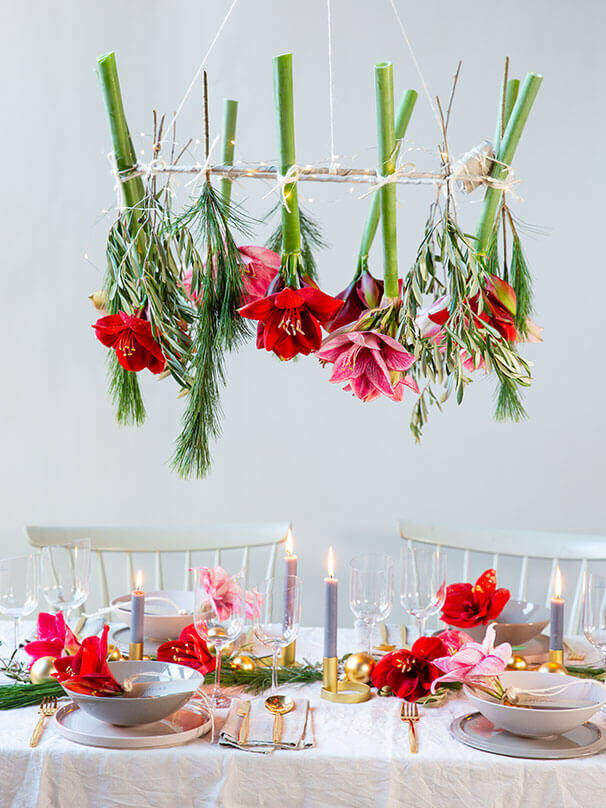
295 447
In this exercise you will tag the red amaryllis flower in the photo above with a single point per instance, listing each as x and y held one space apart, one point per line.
361 294
132 340
54 638
371 363
468 605
190 649
410 673
88 671
289 320
499 307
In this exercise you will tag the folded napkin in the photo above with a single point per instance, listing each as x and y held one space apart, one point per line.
297 731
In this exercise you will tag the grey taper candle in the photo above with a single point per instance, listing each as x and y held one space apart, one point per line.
137 614
331 588
556 641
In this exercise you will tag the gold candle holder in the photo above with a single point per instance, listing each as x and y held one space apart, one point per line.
289 653
135 650
345 692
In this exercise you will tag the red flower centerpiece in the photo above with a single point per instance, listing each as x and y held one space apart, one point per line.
469 605
131 338
410 673
190 650
88 672
290 319
54 638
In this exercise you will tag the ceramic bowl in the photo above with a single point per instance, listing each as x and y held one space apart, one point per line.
167 613
518 623
161 688
541 723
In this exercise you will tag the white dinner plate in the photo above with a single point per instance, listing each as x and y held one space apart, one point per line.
179 728
476 731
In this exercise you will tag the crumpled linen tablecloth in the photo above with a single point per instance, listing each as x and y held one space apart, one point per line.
361 759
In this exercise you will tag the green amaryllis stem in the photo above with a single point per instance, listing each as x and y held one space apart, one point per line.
511 94
387 165
284 101
230 114
511 138
404 115
133 190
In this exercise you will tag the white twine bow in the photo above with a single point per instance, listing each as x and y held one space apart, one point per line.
291 176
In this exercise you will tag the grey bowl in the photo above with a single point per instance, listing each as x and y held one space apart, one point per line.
518 623
161 689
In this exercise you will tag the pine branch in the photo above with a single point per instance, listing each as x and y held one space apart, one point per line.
509 405
521 282
123 386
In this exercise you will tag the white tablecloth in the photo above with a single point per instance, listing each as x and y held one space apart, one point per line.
361 761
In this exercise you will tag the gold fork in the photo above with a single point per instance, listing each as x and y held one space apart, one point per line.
47 709
410 713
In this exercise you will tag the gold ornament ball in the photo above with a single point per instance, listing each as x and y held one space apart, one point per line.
358 668
113 653
385 691
241 662
517 663
552 667
41 670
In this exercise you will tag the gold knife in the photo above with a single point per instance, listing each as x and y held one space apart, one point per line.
244 712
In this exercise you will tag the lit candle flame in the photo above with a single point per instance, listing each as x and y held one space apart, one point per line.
290 543
331 563
557 583
139 581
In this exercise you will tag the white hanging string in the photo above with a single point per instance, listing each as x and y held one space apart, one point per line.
331 105
203 65
432 103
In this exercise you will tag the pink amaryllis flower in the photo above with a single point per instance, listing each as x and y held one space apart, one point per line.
54 638
259 268
225 594
371 363
476 664
454 640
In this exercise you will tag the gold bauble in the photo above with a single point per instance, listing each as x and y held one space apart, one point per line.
41 670
114 654
358 668
99 299
226 651
385 691
241 662
517 663
552 667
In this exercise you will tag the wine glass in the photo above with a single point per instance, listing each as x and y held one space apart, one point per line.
371 590
19 581
66 574
219 614
277 616
594 611
423 582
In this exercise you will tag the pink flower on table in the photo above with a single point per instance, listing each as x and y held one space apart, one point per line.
371 363
225 594
474 662
54 638
454 640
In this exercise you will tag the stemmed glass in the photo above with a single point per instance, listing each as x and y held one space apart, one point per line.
594 611
371 590
423 582
219 614
277 616
66 574
19 581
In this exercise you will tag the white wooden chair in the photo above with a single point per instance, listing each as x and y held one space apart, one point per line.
212 543
525 561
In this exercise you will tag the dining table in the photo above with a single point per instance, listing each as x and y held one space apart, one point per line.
360 758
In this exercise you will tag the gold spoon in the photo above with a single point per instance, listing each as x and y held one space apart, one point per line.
279 706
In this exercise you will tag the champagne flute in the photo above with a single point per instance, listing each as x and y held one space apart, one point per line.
423 582
594 611
371 590
277 616
219 614
19 581
66 574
